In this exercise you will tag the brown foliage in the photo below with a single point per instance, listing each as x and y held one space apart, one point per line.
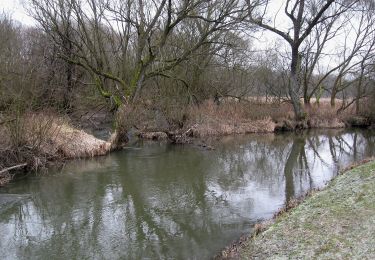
231 118
324 116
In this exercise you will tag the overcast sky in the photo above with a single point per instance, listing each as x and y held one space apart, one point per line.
266 39
16 10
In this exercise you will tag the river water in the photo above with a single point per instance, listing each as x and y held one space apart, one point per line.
158 201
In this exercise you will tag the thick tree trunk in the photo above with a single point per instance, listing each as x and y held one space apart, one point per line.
295 85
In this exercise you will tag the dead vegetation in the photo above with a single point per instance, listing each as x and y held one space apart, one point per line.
324 116
34 139
210 119
38 138
230 116
5 178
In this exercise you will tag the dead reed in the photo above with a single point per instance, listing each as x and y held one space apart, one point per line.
35 139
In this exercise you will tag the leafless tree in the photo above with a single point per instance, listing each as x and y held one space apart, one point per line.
122 44
304 15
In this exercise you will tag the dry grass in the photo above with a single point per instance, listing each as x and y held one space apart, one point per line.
53 135
232 118
237 111
72 143
367 108
207 119
37 138
253 115
214 127
324 116
256 117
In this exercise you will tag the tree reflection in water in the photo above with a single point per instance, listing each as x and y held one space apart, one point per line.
165 201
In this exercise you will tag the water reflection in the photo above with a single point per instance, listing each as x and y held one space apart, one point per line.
162 201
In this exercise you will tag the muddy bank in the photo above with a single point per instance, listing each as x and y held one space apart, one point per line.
324 225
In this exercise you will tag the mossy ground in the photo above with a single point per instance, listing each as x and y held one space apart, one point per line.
336 223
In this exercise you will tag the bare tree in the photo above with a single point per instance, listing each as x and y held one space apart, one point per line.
304 15
314 53
122 44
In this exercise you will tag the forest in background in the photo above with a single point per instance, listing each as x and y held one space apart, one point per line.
187 66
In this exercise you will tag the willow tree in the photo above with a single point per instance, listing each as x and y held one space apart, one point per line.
304 16
122 44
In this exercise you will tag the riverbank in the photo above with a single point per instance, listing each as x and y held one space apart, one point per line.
231 117
37 139
337 222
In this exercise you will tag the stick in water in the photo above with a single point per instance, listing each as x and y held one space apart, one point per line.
13 167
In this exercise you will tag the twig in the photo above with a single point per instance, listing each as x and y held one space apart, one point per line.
13 167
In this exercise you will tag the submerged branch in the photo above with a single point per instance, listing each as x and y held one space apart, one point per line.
22 165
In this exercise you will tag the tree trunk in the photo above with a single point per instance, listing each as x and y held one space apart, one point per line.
69 68
307 101
306 97
68 93
333 97
359 91
335 90
295 85
358 98
139 85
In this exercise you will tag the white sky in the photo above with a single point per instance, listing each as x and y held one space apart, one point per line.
266 39
16 10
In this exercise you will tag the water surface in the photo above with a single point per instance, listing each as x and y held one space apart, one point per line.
158 201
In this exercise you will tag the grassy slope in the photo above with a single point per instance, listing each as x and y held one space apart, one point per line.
336 223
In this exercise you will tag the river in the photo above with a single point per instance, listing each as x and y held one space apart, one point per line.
160 201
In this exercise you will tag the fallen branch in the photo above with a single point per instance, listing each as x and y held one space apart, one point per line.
13 167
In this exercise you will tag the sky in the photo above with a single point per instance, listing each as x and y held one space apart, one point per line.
16 10
265 41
